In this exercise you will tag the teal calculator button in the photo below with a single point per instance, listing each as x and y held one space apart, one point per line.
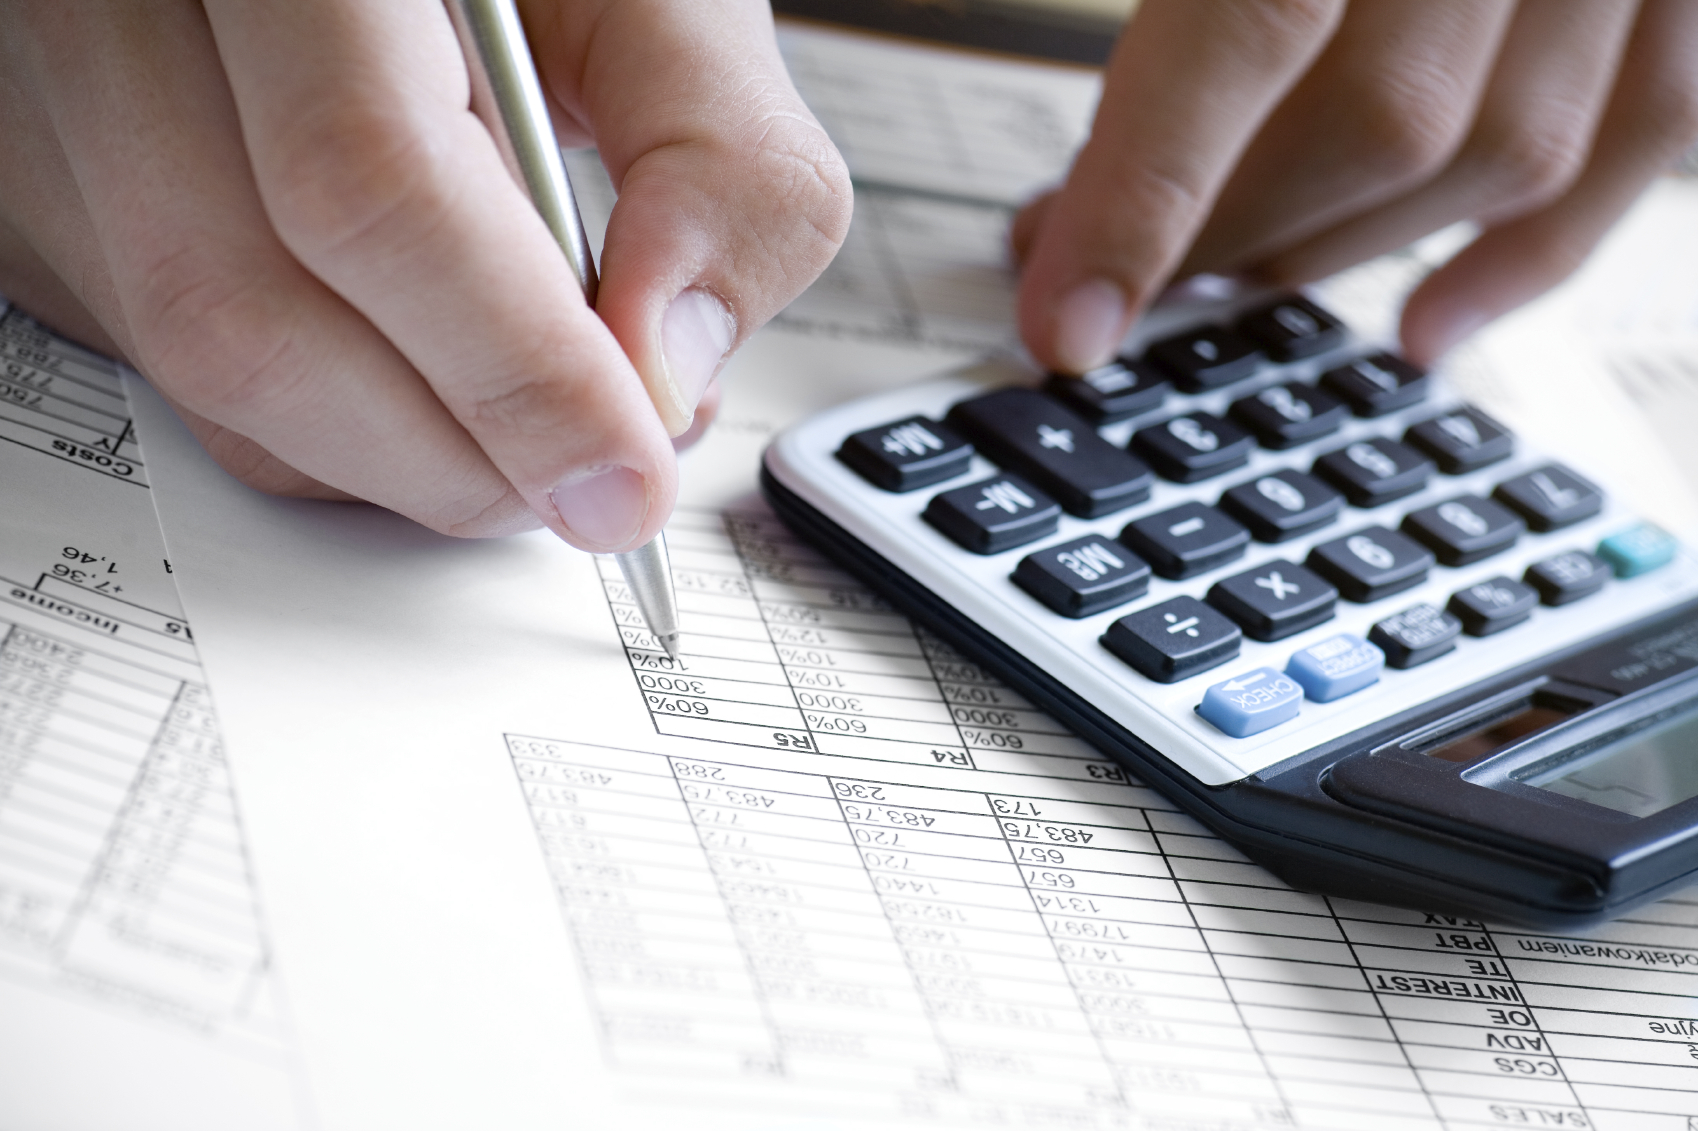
1336 667
1251 703
1638 549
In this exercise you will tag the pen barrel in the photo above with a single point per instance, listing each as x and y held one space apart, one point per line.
648 571
508 97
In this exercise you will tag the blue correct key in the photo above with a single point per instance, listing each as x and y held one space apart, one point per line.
1251 703
1638 549
1336 666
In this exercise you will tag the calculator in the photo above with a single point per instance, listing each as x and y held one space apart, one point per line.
1350 622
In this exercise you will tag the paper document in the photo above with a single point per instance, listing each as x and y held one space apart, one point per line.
134 981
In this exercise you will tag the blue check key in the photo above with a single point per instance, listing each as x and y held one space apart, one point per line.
1251 703
1638 549
1336 667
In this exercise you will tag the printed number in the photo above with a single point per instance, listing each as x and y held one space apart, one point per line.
792 741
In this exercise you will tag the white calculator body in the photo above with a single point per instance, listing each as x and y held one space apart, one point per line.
1351 622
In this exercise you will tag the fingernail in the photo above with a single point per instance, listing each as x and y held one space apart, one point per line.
695 332
1088 325
603 507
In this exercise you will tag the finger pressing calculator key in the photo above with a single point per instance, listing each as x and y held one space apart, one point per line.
1117 391
1299 586
1205 358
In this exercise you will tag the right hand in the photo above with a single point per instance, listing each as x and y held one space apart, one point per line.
283 213
1289 139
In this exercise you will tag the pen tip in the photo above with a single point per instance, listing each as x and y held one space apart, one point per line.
670 643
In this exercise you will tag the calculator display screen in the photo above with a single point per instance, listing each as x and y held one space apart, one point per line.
1640 774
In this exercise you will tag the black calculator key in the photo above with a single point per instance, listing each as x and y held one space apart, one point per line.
1116 391
1038 437
1193 447
993 515
1084 576
1173 640
1568 577
1464 530
1205 358
1416 635
907 454
1282 505
1376 471
1371 563
1493 605
1283 416
1551 497
1274 600
1376 385
1292 328
1462 440
1187 540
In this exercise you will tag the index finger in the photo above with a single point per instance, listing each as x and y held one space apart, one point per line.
1186 89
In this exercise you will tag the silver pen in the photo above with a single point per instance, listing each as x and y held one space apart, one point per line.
505 90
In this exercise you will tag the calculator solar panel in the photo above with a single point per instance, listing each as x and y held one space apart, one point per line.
1252 538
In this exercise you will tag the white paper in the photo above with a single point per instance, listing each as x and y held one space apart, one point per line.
134 981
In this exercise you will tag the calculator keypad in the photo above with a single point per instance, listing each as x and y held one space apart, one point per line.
1081 445
1566 578
1283 506
1374 472
1493 605
1275 600
1416 635
1193 447
1174 640
1462 440
1056 449
1376 385
1292 328
1371 564
994 515
1283 416
906 455
1119 390
1083 575
1188 540
1550 498
1465 530
1205 358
